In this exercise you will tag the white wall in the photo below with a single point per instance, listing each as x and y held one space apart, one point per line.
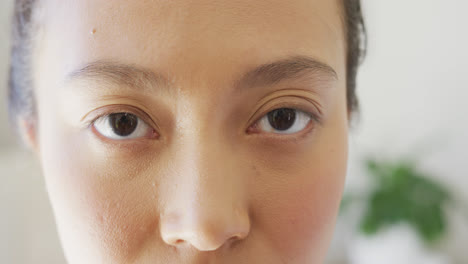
413 89
413 86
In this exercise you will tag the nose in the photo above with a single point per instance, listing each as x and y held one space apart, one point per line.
205 207
206 232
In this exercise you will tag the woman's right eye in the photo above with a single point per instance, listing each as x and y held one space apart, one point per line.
121 126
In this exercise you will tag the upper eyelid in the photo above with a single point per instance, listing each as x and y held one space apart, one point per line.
113 109
311 97
311 116
315 114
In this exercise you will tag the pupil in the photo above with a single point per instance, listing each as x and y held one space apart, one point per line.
282 119
123 124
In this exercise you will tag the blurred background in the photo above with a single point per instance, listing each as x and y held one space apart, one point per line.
411 140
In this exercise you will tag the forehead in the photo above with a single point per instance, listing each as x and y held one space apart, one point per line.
202 38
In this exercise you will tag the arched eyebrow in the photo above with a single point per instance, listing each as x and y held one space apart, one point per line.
267 74
118 74
294 67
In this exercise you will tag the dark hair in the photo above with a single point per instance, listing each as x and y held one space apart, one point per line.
356 36
21 96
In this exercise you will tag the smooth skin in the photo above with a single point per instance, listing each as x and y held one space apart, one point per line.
204 180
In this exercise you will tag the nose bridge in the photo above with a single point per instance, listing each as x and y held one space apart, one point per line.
208 206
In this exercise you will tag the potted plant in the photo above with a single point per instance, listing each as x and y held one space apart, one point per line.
403 216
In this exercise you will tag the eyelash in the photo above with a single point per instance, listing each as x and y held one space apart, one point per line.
315 119
115 109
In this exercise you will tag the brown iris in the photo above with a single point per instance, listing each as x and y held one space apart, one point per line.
123 124
282 118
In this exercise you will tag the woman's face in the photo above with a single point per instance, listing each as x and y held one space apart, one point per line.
192 131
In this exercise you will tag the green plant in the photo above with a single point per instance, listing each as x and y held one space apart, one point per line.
404 194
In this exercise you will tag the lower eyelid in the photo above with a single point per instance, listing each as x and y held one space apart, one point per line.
298 137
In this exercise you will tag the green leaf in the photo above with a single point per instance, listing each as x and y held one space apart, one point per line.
403 194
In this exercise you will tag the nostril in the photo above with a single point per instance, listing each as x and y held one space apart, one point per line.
207 230
174 241
205 237
234 240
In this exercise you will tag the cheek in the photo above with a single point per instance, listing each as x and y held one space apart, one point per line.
297 210
96 201
121 217
306 217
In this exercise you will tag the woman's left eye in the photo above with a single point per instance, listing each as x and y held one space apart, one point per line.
120 126
284 121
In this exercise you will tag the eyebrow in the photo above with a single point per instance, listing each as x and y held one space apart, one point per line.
118 74
292 67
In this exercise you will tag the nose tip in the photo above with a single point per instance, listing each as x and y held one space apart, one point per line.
204 235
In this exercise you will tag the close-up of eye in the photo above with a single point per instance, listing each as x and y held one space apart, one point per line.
120 126
284 121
